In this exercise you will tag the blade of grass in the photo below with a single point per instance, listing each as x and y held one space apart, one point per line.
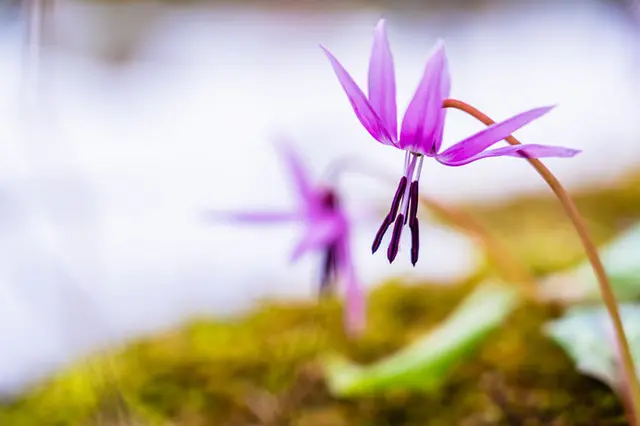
424 364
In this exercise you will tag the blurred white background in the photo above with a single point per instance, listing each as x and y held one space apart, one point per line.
148 114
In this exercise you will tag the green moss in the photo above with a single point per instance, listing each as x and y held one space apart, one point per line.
262 369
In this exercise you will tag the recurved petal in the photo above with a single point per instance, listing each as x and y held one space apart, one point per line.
360 104
382 80
445 91
318 233
297 169
251 217
424 119
522 151
482 140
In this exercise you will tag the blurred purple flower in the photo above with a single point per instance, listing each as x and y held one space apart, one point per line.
422 129
326 230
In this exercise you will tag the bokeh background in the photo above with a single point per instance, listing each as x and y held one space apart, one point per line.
121 122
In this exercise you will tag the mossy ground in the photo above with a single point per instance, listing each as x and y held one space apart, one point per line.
262 369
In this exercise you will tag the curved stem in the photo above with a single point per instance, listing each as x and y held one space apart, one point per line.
592 254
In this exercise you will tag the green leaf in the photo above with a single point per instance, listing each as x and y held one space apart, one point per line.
424 364
586 335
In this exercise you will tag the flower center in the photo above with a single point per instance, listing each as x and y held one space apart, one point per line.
329 199
403 211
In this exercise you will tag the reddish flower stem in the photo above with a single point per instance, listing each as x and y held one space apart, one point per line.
633 390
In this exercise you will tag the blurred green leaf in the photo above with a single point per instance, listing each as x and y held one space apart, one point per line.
424 364
587 337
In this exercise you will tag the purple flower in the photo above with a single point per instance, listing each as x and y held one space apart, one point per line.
326 230
422 129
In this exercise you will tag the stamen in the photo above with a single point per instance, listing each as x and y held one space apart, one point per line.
413 200
329 271
408 196
415 240
329 199
388 220
413 222
419 166
394 244
409 175
398 197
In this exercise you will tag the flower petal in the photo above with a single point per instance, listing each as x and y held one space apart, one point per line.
445 90
252 217
523 151
355 311
297 170
319 233
423 121
382 80
360 104
477 143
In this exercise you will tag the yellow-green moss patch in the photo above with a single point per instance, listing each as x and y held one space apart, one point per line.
262 369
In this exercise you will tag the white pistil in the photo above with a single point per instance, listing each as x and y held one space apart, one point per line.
409 174
419 167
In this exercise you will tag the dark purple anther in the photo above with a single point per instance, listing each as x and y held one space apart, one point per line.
394 244
415 240
388 220
329 199
413 222
395 204
413 200
329 270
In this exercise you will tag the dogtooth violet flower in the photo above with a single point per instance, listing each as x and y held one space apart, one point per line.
420 134
326 229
